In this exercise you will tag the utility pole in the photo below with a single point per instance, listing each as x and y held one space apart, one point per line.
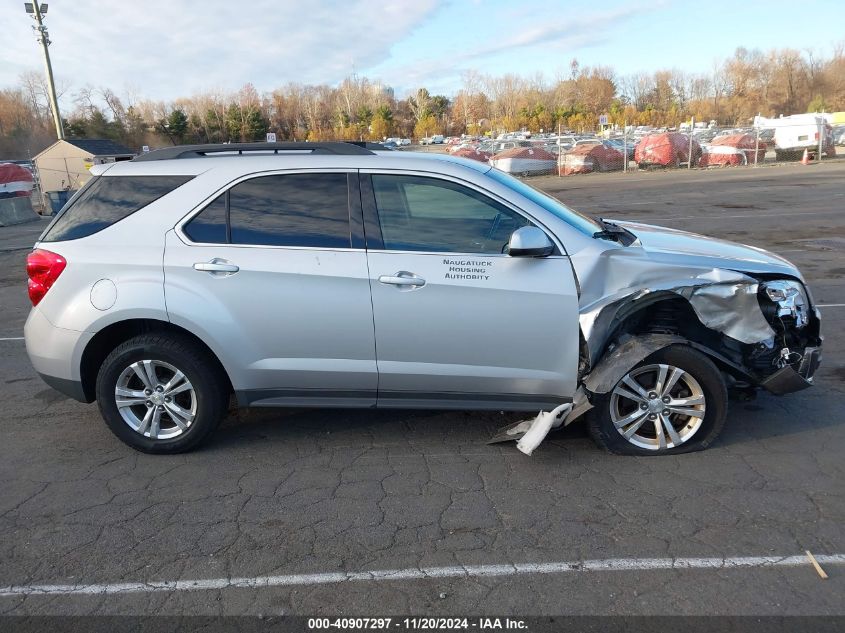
37 11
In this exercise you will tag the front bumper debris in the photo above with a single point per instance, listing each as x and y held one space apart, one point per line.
787 379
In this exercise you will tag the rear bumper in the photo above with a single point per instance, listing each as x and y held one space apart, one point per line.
56 354
70 388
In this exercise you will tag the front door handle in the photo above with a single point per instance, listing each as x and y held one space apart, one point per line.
402 278
217 266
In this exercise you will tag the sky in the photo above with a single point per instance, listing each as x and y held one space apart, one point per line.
164 49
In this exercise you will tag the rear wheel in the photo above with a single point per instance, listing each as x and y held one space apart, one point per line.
675 401
161 393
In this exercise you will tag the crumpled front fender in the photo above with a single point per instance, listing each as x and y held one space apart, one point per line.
626 355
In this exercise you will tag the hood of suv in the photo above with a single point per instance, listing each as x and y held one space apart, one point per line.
672 246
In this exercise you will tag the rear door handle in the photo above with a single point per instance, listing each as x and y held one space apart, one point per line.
217 267
402 278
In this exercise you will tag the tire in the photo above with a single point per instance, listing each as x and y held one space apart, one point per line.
696 431
181 413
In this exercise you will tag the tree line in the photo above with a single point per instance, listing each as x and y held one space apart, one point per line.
774 82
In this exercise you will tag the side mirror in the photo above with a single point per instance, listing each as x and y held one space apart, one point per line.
529 241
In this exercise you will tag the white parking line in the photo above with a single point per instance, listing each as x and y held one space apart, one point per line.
13 338
9 249
471 571
830 305
742 215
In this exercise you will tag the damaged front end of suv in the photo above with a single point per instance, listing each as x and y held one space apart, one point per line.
746 308
650 294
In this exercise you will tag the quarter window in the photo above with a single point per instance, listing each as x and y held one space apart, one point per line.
428 214
107 200
210 225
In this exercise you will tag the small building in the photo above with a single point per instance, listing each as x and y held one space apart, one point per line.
64 165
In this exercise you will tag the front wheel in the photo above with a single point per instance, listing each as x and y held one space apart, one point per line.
161 393
675 401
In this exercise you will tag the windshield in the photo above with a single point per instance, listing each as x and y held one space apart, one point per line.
581 222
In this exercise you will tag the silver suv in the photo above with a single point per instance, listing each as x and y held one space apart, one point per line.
338 275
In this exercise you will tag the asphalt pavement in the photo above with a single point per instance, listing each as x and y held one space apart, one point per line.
322 512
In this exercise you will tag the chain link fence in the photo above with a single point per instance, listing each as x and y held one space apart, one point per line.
694 145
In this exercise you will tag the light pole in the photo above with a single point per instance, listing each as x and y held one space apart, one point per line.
37 12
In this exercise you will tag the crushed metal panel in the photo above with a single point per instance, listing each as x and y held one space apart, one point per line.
580 405
724 300
622 358
732 309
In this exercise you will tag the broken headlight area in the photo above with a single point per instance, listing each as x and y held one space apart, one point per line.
787 361
785 299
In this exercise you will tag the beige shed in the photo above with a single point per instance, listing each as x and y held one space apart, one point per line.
64 165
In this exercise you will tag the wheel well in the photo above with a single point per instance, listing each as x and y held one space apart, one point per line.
110 337
668 313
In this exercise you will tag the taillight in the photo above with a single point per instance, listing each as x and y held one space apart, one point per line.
42 268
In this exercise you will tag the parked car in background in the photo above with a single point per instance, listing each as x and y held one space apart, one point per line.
565 142
16 180
473 153
624 146
525 161
766 135
26 164
839 135
588 157
667 149
705 135
498 146
734 149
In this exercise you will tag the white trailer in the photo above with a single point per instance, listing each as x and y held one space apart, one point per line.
799 132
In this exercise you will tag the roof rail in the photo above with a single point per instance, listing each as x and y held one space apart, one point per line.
199 151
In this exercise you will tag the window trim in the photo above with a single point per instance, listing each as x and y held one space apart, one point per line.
353 203
372 223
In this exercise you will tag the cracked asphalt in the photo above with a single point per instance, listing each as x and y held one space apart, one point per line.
313 491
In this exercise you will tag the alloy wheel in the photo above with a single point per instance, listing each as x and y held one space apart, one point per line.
657 407
155 399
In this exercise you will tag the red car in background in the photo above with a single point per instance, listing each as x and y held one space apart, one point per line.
668 149
733 149
473 153
588 157
15 181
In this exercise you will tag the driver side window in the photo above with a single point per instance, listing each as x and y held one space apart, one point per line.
428 214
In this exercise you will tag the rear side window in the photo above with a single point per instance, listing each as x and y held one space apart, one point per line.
310 210
107 200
